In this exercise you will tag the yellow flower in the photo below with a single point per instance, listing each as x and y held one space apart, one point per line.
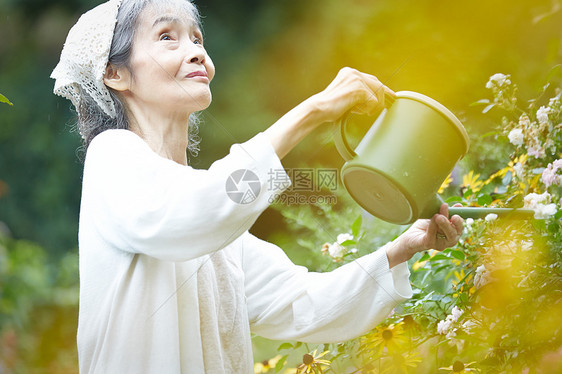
500 173
445 184
390 338
471 181
401 363
267 365
311 363
461 368
420 264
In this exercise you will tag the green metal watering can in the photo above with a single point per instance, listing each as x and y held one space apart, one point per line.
399 165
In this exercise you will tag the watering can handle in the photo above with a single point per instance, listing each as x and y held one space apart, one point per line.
340 140
476 212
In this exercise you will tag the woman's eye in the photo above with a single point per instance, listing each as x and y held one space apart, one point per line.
165 37
197 41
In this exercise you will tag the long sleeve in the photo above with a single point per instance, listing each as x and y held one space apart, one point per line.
286 302
143 203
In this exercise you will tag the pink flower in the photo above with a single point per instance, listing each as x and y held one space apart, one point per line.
537 152
550 175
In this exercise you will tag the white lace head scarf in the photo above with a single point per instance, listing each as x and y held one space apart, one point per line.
84 57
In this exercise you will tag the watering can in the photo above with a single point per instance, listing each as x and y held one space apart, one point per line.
397 168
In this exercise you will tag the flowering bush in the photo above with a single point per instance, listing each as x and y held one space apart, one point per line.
491 304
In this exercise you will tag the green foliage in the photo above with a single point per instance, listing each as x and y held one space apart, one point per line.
4 99
38 308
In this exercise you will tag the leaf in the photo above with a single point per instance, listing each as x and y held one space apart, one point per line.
480 102
553 227
348 242
515 201
459 255
425 257
553 72
507 178
487 109
454 199
490 133
356 226
439 256
4 99
285 346
280 363
537 171
485 200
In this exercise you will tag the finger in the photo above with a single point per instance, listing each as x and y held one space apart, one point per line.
444 210
447 228
457 221
380 90
431 231
371 103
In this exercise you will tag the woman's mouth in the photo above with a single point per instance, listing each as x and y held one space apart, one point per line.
198 74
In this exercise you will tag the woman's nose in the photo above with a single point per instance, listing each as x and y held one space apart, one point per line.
195 54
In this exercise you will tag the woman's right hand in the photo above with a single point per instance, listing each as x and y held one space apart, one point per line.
351 90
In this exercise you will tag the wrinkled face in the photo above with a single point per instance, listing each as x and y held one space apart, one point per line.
170 68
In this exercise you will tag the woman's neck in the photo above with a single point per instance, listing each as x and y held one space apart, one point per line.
166 134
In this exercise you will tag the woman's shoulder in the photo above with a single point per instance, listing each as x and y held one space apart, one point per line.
115 137
116 141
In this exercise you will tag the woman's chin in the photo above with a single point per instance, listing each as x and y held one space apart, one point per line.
199 102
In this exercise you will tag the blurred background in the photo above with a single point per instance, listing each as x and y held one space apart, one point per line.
269 55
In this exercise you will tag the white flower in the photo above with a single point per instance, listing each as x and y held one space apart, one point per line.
524 121
481 276
456 313
545 211
540 204
516 137
336 250
534 199
518 170
451 334
343 238
554 102
468 225
527 245
469 325
498 79
542 114
444 326
491 217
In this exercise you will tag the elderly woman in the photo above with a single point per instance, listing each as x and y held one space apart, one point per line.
171 280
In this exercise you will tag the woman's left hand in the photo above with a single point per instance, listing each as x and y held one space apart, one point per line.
438 233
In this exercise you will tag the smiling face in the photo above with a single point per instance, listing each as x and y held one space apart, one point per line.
169 67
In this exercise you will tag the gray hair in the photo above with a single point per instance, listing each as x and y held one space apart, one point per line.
92 120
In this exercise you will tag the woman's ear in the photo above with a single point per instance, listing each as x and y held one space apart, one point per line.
118 79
